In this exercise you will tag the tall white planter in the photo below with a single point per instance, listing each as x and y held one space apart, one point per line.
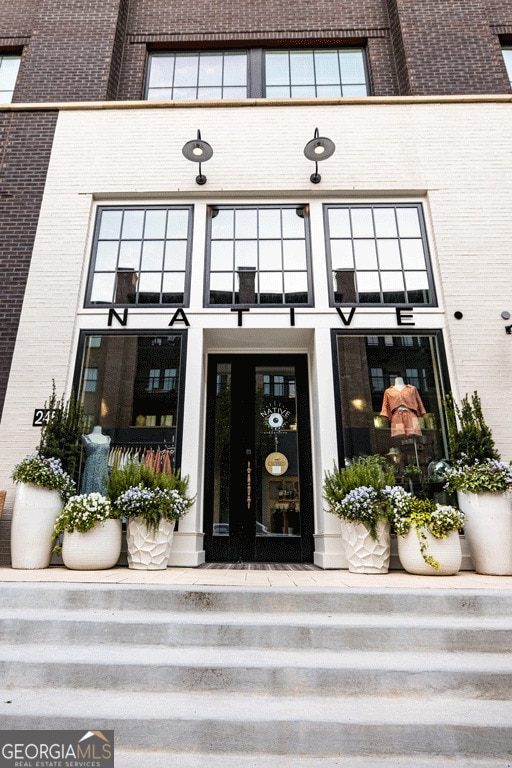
33 517
447 552
364 554
148 549
488 529
94 550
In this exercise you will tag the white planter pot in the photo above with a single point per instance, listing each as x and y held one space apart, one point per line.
148 549
33 517
94 550
447 552
364 554
488 529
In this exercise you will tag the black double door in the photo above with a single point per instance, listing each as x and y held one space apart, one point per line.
258 492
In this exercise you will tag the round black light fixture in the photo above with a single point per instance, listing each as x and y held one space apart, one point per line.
198 151
319 148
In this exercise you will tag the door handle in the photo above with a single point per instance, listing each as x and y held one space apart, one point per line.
249 470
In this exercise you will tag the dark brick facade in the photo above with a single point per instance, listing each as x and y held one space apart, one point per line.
448 46
26 141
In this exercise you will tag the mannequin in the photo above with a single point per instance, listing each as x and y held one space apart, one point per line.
95 474
402 406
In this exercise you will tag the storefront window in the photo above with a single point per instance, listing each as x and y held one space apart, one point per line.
391 402
135 392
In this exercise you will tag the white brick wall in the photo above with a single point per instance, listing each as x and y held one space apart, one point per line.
453 156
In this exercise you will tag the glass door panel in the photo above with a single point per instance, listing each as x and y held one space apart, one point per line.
258 464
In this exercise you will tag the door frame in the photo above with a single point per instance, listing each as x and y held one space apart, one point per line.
262 549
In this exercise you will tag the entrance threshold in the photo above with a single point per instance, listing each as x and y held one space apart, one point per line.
261 566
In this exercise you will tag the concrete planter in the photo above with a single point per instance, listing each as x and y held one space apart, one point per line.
447 552
33 517
94 550
364 554
488 529
148 549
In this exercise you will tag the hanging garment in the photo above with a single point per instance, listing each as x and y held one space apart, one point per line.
95 472
402 407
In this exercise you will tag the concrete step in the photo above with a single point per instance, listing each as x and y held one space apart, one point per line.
250 671
154 759
313 726
417 602
410 677
259 630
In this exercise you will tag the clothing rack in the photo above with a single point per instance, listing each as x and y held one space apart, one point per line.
159 459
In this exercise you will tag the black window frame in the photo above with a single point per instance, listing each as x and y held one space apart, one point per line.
333 302
10 55
443 383
261 305
256 63
146 436
507 46
88 303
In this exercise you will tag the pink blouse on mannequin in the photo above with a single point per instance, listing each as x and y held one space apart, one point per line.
402 407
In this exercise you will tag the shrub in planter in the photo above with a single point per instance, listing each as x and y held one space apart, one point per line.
60 436
151 502
91 533
430 522
356 495
470 438
484 492
354 492
45 472
43 487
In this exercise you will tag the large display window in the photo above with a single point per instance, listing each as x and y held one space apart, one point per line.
132 386
391 389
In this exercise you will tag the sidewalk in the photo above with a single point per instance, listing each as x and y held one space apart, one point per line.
230 577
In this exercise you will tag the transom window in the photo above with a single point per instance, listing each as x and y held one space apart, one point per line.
258 255
140 256
378 254
273 73
9 66
507 55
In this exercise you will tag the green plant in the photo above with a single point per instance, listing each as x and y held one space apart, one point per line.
426 515
356 492
365 471
83 512
60 436
489 476
469 436
135 474
152 504
46 472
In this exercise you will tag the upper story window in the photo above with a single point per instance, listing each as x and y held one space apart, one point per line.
378 254
258 256
254 73
201 75
322 73
9 66
507 55
140 256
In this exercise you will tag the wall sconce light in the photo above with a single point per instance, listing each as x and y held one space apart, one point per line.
198 151
319 148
